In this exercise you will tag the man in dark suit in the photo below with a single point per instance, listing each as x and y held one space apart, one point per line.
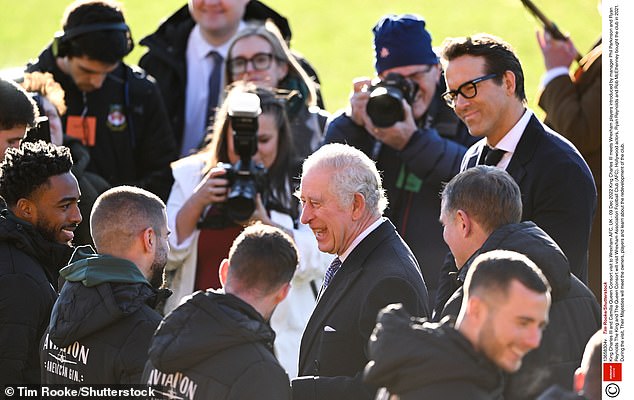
572 103
486 89
343 200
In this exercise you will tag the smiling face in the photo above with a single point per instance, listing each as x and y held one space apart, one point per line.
332 223
55 212
218 19
494 110
513 326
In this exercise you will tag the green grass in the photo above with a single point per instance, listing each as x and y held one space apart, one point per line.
334 35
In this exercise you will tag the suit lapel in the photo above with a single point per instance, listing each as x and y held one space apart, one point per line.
339 286
525 150
471 157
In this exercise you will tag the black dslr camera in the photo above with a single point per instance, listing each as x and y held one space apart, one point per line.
246 178
385 106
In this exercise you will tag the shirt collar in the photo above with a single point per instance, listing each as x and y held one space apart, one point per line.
509 142
361 236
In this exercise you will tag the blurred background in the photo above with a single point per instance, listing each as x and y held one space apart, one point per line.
334 35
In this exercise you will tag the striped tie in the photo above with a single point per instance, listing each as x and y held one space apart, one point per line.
331 271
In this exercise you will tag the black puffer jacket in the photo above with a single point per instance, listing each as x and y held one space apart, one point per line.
416 359
215 346
29 267
101 325
574 313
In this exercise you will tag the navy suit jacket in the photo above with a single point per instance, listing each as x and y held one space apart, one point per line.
381 270
558 191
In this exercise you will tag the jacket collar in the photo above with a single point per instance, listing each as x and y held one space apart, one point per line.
50 255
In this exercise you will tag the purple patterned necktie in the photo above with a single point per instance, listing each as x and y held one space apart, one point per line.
331 271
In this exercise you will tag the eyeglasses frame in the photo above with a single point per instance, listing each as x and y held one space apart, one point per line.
451 96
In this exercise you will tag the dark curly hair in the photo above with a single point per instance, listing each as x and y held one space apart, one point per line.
25 169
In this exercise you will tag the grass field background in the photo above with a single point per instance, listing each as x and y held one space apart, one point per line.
335 35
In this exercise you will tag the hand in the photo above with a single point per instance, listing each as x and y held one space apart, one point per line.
557 53
398 135
212 189
359 100
259 214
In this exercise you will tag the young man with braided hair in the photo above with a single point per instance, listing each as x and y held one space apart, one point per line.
36 227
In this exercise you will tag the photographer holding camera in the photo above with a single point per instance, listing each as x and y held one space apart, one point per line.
400 121
239 178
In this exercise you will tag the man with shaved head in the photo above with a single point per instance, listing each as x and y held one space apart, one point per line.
101 325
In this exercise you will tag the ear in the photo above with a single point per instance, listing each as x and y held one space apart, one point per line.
508 80
466 223
223 271
358 206
149 240
26 210
437 72
282 292
476 308
579 380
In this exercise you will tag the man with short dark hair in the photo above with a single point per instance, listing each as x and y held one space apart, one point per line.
105 311
116 111
17 113
504 311
480 212
36 227
417 153
342 202
485 85
218 344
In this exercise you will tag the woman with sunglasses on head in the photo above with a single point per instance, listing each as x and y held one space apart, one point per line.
199 216
260 55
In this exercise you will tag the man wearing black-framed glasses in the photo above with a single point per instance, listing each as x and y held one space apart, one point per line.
485 87
417 153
